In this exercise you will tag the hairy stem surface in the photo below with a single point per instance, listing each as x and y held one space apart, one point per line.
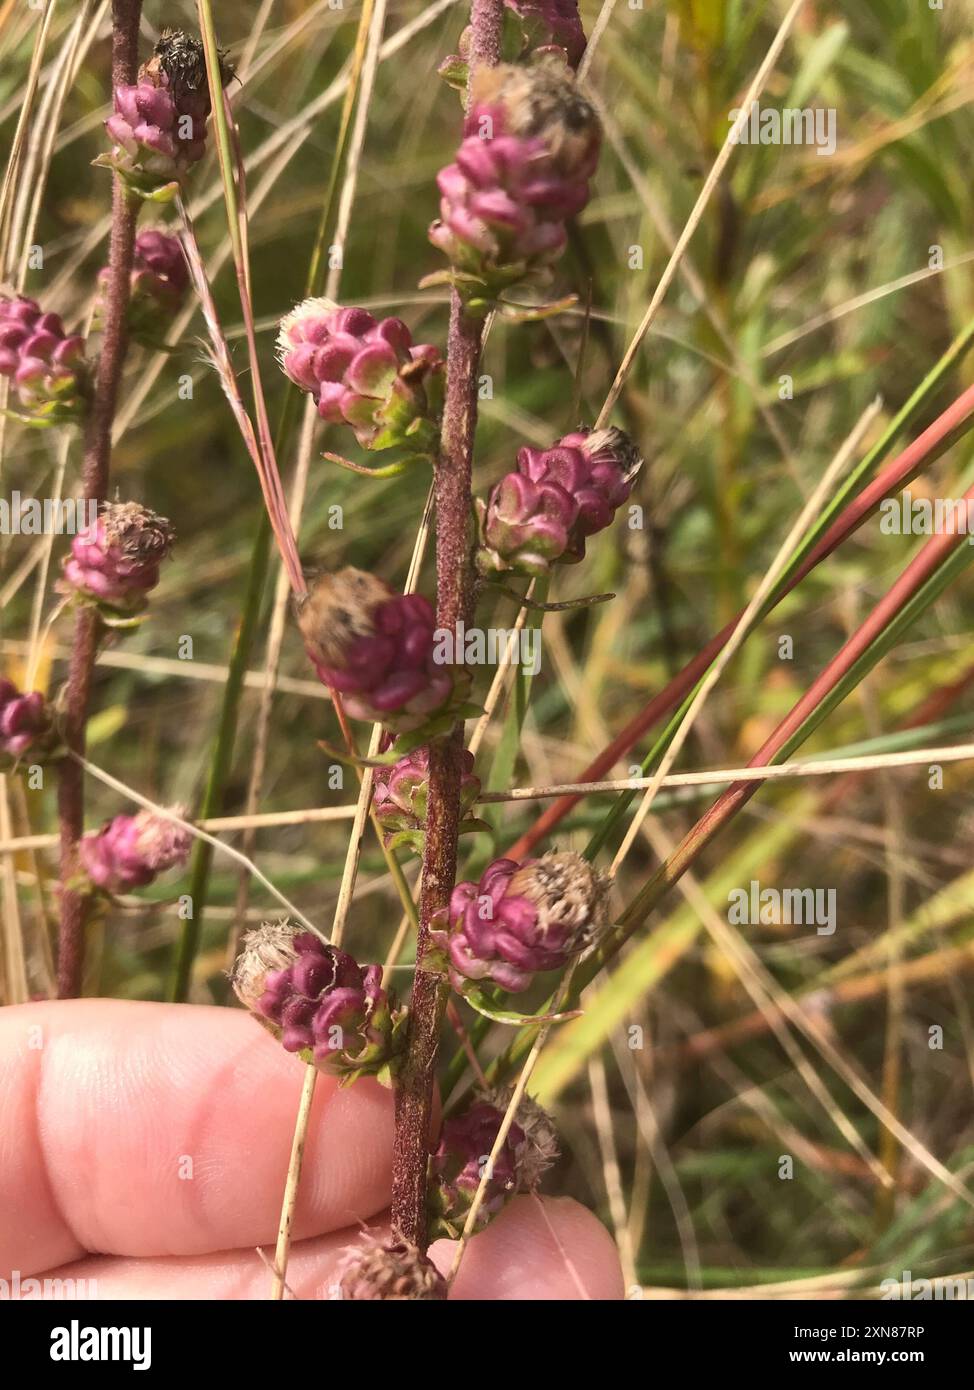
414 1097
126 15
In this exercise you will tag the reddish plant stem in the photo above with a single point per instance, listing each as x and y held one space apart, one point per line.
752 1025
126 15
920 569
917 572
893 477
414 1092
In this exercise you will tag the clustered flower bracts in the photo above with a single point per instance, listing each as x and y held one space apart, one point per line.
531 144
542 513
320 1002
462 1159
376 648
159 121
519 920
116 562
46 366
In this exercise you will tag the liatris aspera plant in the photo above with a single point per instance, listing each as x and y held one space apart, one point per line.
116 563
366 373
159 121
46 365
461 1160
391 1270
401 793
376 648
543 513
27 727
129 851
320 1002
157 287
520 919
531 144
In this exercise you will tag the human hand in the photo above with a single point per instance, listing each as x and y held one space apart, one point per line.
144 1146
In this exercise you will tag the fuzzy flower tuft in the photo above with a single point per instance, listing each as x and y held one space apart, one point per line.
543 513
117 562
159 121
462 1159
364 372
46 365
319 1001
400 799
129 851
390 1270
26 724
531 145
376 648
520 919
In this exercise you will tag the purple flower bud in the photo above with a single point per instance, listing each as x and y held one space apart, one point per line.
26 724
116 562
158 285
550 23
129 851
531 145
376 648
364 372
319 1001
159 122
462 1158
47 365
543 513
520 919
400 799
393 1270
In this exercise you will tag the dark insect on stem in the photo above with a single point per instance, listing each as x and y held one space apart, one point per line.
181 59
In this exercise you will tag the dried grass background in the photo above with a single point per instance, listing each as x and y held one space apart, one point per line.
815 269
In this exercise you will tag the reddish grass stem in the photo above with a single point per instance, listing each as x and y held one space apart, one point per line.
895 476
414 1094
126 15
921 568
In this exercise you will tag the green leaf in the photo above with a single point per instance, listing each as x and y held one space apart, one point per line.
484 1005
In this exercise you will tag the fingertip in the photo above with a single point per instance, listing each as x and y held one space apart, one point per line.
166 1129
536 1249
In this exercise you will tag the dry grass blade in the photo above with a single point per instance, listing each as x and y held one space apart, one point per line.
200 834
710 183
822 490
12 169
754 976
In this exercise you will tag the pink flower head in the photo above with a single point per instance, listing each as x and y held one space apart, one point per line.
319 999
363 372
520 919
543 513
46 365
158 285
400 799
376 648
129 851
26 723
159 121
117 561
523 169
391 1271
461 1160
